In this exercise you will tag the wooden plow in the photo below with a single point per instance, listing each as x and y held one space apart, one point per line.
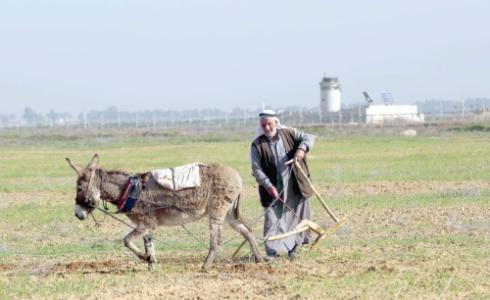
305 225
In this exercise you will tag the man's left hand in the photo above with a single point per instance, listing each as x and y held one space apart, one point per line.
299 155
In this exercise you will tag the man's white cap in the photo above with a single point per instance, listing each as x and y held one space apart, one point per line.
268 113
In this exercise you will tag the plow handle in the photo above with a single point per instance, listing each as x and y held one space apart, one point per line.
316 192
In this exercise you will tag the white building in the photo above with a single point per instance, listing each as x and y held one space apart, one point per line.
330 95
392 114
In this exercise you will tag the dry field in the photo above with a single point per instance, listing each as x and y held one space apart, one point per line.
417 208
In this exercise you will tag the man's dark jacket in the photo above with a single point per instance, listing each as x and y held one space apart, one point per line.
268 165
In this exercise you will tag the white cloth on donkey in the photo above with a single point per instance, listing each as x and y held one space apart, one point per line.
178 178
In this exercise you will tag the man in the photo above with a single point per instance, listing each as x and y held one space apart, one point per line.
274 145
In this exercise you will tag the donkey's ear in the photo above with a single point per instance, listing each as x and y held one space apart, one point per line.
94 163
75 167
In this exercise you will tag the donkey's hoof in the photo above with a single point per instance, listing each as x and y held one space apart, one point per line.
151 266
151 259
258 259
204 269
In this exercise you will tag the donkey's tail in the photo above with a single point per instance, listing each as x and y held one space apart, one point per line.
238 215
236 208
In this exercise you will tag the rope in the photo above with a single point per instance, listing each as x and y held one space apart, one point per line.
193 236
98 224
114 217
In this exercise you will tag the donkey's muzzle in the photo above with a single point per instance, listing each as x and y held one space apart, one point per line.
80 212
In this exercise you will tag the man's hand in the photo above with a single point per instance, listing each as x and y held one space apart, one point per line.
299 155
273 192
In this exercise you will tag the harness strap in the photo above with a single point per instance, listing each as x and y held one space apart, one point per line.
130 196
124 196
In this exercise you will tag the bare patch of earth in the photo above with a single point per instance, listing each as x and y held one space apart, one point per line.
322 275
470 188
42 198
375 188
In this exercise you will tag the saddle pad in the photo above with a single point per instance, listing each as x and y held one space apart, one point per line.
178 178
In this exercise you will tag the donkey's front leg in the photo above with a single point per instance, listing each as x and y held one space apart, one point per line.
148 240
128 242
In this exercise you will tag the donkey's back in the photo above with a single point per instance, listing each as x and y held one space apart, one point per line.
218 193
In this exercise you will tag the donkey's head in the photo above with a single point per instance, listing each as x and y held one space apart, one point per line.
88 194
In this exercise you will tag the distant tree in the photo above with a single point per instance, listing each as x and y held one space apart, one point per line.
52 117
31 117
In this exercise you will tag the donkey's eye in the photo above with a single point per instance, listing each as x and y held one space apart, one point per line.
79 190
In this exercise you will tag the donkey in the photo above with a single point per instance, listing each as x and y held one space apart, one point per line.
217 197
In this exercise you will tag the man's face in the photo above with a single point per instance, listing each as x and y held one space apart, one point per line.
269 126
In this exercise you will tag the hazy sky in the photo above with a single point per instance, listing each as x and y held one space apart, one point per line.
80 55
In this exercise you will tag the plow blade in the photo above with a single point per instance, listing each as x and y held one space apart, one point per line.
306 225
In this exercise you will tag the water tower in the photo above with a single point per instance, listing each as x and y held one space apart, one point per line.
330 95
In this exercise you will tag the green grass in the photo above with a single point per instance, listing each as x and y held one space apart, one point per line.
333 161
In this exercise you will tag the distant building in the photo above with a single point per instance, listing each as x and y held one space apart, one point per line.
381 114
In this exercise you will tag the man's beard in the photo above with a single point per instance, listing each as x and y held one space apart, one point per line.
271 133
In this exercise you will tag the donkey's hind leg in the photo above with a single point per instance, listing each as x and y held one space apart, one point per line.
215 226
244 230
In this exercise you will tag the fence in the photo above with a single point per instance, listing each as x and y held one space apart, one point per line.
297 118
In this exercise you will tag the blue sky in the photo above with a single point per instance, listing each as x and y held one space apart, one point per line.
80 55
